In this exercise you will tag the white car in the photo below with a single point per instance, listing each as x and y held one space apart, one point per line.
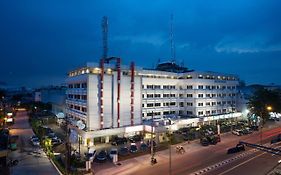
113 152
237 132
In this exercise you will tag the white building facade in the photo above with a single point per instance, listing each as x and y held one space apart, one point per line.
105 96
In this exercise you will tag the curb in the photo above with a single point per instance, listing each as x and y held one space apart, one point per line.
55 166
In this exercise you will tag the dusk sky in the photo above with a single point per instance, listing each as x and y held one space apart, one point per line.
40 41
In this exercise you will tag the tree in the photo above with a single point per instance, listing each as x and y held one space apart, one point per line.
261 100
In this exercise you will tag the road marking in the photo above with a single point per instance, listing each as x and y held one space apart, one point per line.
241 164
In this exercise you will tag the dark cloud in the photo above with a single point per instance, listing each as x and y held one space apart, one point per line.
41 40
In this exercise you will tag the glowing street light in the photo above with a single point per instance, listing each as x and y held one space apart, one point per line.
269 108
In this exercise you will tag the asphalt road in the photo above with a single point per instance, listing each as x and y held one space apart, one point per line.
32 160
198 158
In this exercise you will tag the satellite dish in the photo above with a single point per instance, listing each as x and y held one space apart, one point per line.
80 124
60 115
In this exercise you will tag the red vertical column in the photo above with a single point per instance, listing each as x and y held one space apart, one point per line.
132 91
101 91
118 90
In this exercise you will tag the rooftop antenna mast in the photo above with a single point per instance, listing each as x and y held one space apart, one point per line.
173 52
104 25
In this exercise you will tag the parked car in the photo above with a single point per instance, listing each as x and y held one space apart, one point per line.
123 151
143 147
102 156
237 132
238 148
35 142
119 141
204 141
91 154
246 131
133 148
56 141
135 138
113 152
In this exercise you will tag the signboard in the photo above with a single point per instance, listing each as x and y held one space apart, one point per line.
73 137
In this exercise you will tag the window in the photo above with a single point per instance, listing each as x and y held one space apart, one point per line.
70 86
172 87
173 104
84 97
214 95
200 104
200 112
208 103
84 109
200 95
142 95
214 111
157 95
70 96
157 104
149 86
166 95
166 113
208 87
189 104
208 95
218 103
142 105
181 104
213 103
200 87
166 104
84 85
149 105
172 95
189 112
165 87
157 87
213 87
149 95
200 76
189 87
189 95
77 85
181 95
208 112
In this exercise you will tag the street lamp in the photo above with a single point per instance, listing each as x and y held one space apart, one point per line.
268 108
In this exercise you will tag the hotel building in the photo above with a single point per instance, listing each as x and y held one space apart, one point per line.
110 99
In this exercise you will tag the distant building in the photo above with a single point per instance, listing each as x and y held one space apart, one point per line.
55 95
107 99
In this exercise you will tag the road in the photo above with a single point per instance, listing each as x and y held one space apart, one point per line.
198 158
32 160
